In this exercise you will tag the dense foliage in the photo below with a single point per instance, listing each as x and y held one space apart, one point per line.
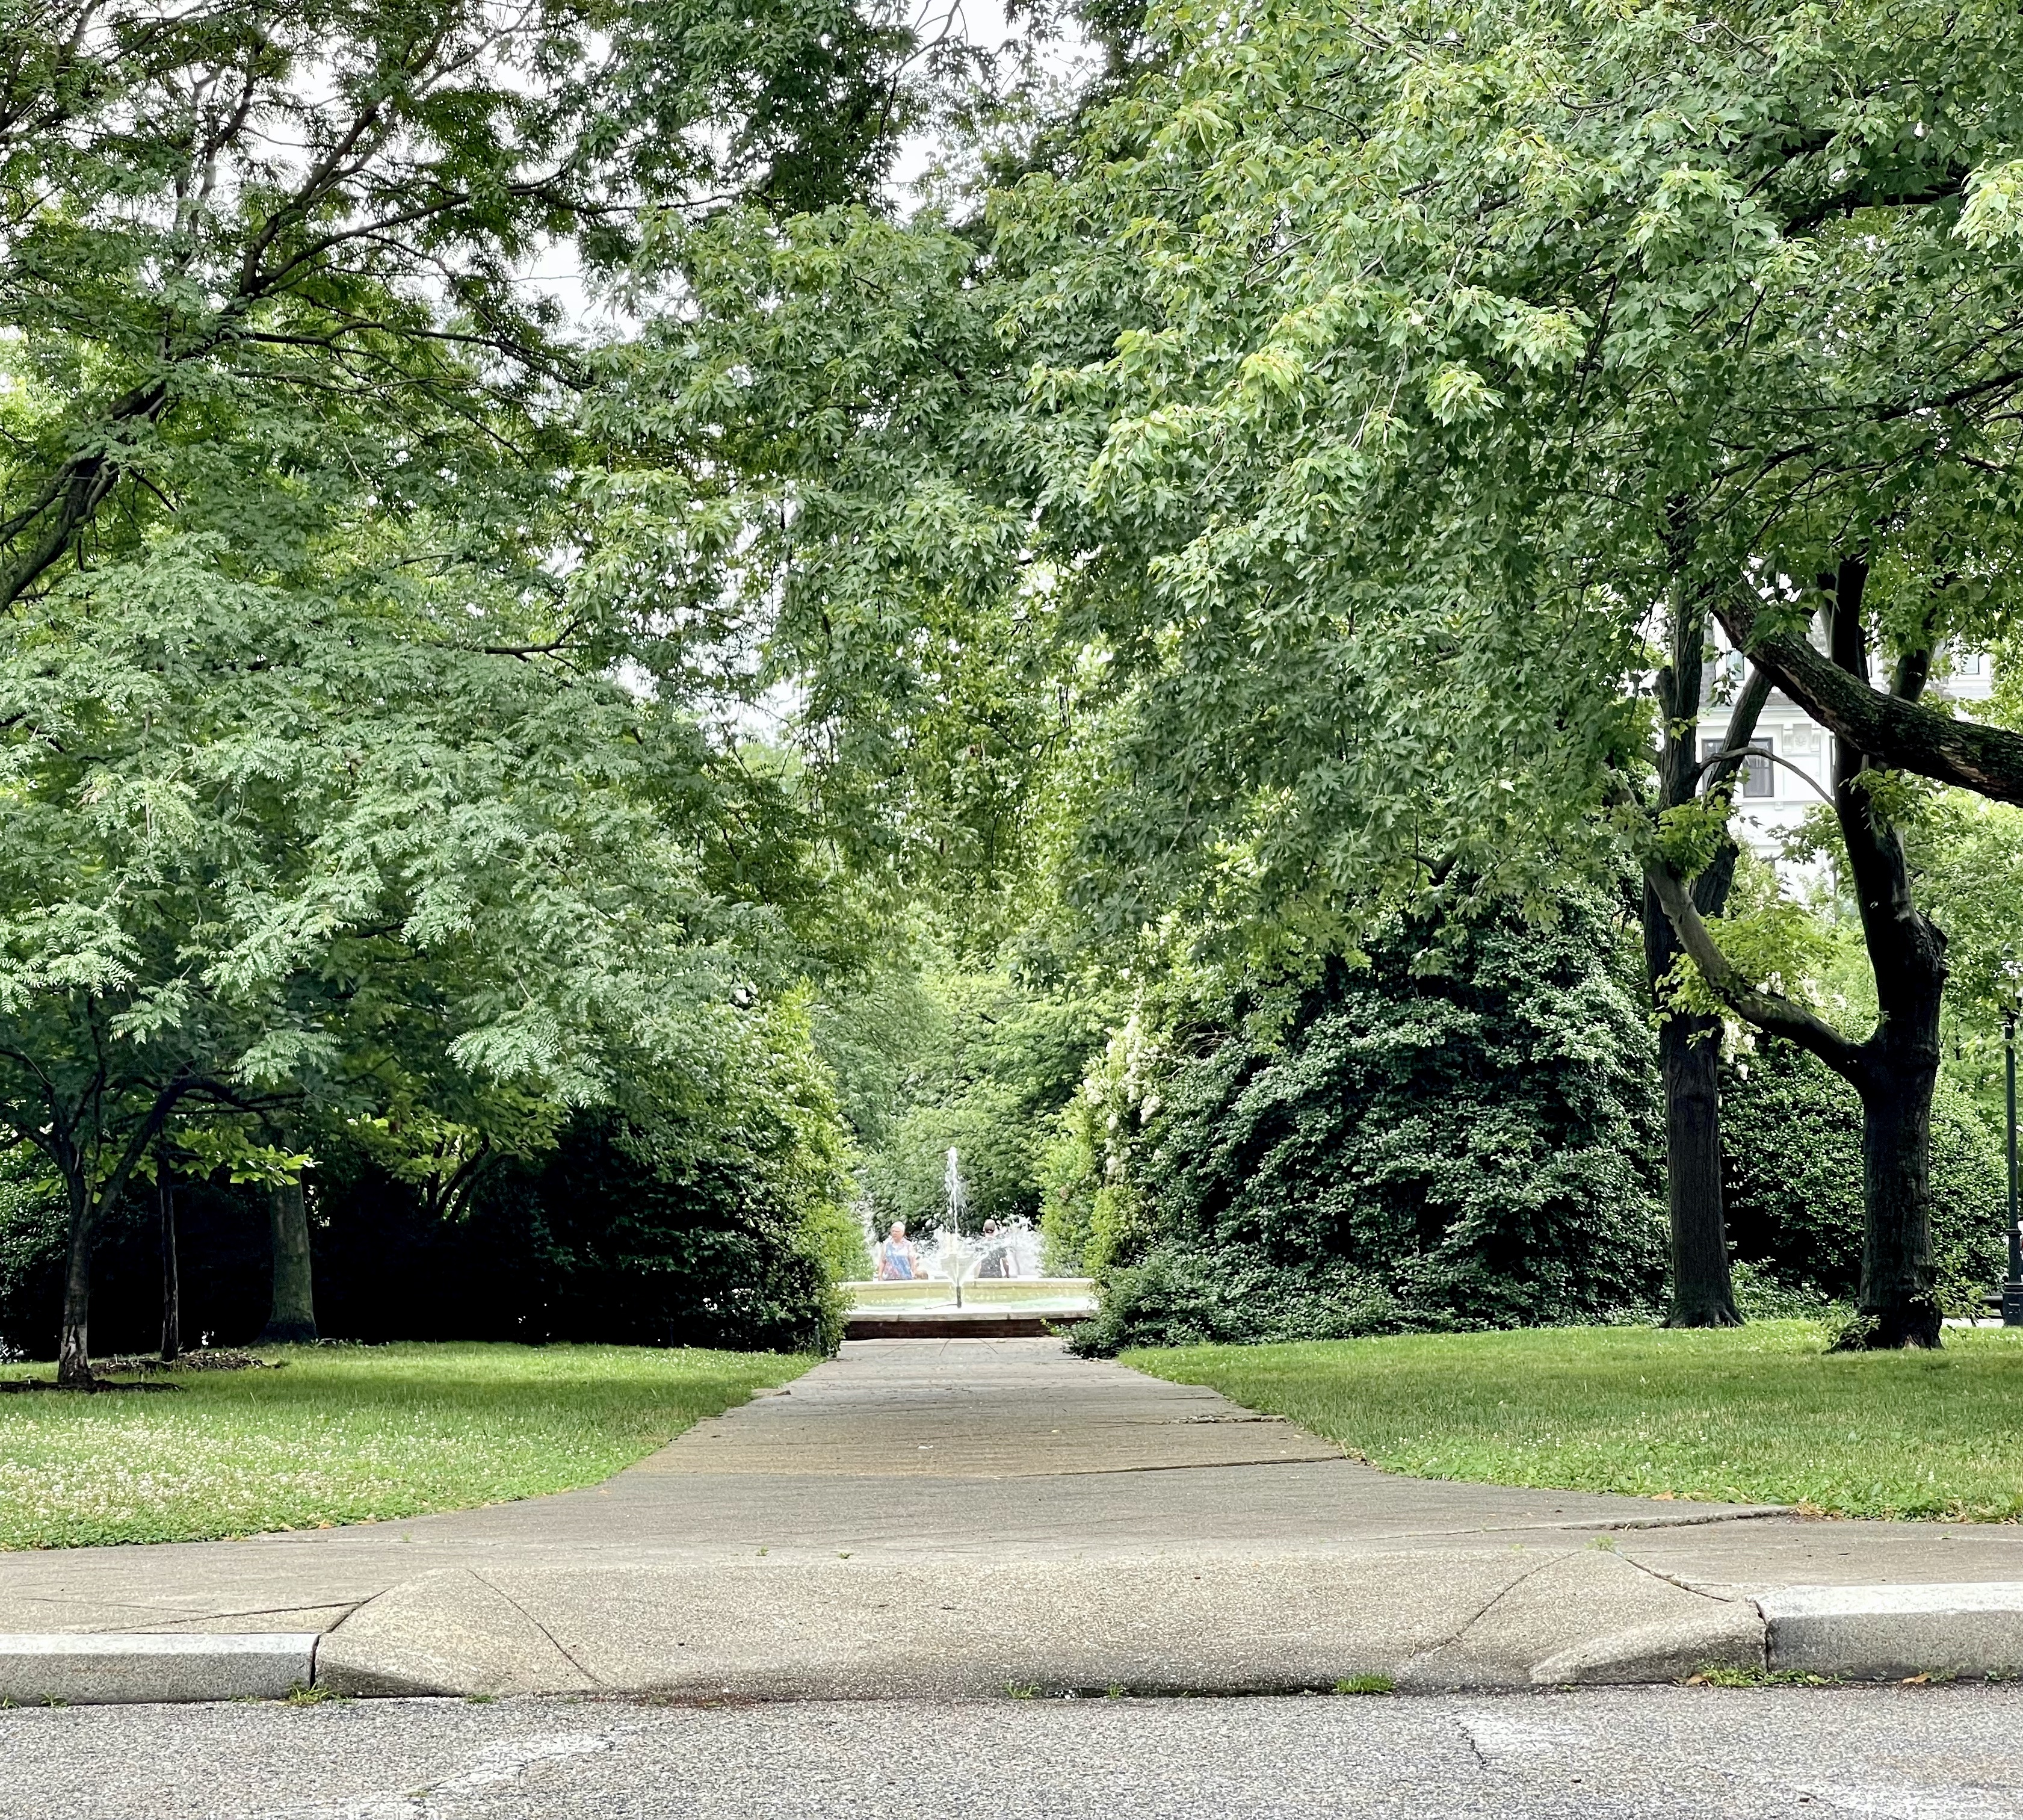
1333 428
714 1213
1457 1134
319 214
1218 574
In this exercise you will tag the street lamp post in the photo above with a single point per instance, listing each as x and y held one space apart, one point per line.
2012 1289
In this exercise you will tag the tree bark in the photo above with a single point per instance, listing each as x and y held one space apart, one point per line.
1899 1306
74 1346
291 1318
1894 730
172 1289
1703 1288
88 1202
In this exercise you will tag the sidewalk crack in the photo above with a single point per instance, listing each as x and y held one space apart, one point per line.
1489 1605
373 1598
348 1605
1481 1758
1658 1574
567 1655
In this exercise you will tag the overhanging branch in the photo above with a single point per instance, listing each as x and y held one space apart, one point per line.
1895 733
1769 1011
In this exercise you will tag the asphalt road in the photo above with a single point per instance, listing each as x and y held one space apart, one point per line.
1919 1753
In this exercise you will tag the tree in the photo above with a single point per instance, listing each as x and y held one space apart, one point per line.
270 346
258 815
1382 377
322 209
1895 1068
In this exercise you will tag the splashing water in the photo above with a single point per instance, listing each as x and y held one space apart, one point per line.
951 1257
952 1187
1011 1250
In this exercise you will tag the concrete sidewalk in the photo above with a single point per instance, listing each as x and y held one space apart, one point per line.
957 1517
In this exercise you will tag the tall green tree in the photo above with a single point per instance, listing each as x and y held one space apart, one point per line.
1474 339
334 209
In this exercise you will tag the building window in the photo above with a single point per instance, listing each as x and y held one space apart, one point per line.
1759 776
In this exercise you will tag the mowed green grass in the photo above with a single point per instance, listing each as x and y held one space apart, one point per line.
348 1435
1763 1414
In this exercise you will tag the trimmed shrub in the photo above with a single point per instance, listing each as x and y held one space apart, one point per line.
616 1246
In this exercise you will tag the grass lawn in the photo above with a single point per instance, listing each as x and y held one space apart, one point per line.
1763 1414
347 1434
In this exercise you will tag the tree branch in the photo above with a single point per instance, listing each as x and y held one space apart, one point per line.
1711 888
1770 1012
1895 731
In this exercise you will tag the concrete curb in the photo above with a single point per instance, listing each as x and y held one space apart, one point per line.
1854 1632
1729 1636
99 1668
1886 1632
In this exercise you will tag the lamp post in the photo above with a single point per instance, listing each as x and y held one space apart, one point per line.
2012 991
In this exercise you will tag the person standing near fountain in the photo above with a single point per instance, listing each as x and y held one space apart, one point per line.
898 1261
997 1261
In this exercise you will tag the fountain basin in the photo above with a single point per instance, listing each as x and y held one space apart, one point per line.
1077 1293
991 1308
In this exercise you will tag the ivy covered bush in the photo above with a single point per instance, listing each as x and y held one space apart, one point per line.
1791 1158
1463 1133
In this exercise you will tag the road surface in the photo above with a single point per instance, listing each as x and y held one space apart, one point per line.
1933 1752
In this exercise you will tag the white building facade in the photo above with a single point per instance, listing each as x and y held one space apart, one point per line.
1771 800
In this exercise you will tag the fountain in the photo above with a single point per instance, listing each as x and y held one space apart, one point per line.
999 1266
952 1259
1000 1251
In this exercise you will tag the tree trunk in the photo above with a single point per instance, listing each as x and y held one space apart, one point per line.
89 1199
74 1346
1688 1047
172 1291
1688 1054
1702 1289
292 1319
1899 1306
1899 1070
1898 1066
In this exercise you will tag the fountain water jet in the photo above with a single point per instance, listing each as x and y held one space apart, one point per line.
951 1257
